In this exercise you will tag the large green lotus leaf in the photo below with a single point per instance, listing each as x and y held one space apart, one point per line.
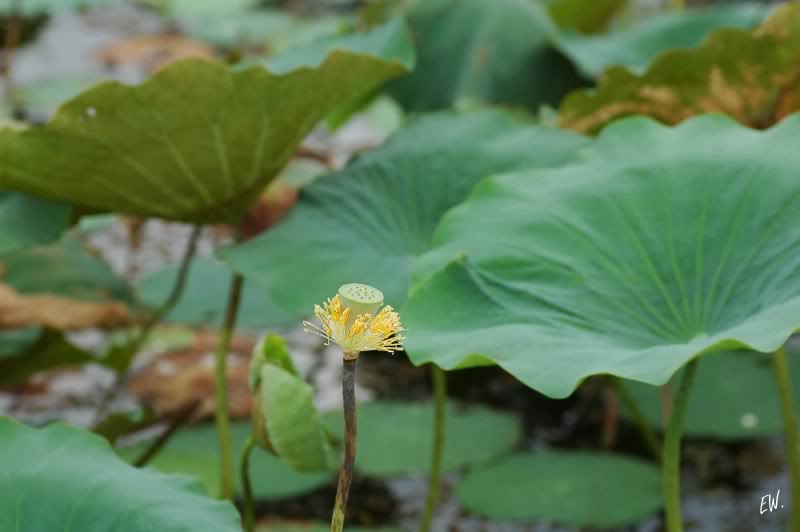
275 28
637 46
80 482
395 438
207 286
734 397
483 50
370 221
195 451
26 220
575 488
292 422
65 268
198 141
390 42
654 249
750 76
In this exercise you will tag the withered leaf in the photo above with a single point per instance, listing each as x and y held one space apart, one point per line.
753 77
58 312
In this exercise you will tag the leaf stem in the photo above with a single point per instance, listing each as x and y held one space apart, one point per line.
671 462
350 432
221 388
638 418
439 379
122 364
179 420
248 513
782 376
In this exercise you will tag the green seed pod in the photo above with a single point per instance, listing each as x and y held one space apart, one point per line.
360 299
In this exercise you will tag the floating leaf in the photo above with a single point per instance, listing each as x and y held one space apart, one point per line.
273 29
64 268
194 451
207 285
395 438
61 286
371 220
573 488
734 397
635 47
483 50
84 486
653 249
390 42
15 341
198 141
48 350
26 220
749 76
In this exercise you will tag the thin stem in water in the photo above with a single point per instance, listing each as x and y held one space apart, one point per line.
671 462
123 362
13 36
638 418
350 432
221 388
248 512
180 419
439 379
782 376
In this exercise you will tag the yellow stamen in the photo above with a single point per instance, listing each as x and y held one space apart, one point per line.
367 333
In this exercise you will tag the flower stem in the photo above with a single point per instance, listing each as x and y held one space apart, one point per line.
671 462
248 513
782 375
439 379
635 412
221 388
350 431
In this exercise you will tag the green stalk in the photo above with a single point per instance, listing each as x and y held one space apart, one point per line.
439 379
221 388
248 513
179 420
350 432
782 376
671 462
638 418
124 360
